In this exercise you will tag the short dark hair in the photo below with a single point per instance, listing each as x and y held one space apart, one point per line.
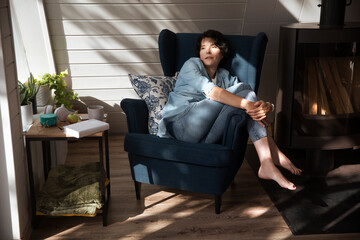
218 38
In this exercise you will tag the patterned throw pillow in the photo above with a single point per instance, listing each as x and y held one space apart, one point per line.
155 91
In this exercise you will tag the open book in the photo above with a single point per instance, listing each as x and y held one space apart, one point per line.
85 128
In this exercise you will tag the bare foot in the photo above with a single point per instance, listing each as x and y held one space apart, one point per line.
284 162
269 171
281 160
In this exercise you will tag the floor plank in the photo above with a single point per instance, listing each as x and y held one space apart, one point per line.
165 213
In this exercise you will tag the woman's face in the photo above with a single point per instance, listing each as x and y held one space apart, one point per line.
210 54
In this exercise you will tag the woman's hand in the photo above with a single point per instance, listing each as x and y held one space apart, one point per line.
256 110
259 111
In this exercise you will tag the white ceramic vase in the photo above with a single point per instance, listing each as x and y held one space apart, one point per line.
26 115
43 95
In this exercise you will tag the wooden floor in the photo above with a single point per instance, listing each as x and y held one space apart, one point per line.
163 213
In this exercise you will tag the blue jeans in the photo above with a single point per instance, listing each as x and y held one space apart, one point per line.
204 121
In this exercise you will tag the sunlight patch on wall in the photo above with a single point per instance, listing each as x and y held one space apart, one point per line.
302 10
292 7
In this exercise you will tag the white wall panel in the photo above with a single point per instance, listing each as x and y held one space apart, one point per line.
106 56
105 42
108 94
98 70
145 11
142 1
109 105
106 82
102 41
124 27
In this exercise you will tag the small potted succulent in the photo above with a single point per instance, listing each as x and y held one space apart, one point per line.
28 92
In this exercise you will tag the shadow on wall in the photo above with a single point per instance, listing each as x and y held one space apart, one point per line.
114 112
86 101
119 24
101 43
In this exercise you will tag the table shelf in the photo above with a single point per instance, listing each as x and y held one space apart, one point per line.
47 134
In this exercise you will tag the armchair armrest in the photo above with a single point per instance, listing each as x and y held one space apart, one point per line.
137 115
235 132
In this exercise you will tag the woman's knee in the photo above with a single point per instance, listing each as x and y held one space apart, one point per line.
243 90
248 95
251 96
239 87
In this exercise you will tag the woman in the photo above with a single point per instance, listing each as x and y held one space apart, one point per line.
203 97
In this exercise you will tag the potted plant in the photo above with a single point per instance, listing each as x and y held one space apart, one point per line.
28 92
43 96
62 94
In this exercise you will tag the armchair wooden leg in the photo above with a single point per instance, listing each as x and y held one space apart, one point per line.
217 203
137 189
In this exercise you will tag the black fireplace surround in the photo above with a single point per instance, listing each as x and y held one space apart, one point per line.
318 102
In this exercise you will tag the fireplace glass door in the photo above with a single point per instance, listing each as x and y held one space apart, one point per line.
327 89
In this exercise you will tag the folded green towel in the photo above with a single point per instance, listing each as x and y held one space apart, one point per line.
71 191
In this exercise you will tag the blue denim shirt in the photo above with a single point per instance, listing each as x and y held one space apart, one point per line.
192 84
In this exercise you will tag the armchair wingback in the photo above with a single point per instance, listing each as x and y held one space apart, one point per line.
199 167
245 60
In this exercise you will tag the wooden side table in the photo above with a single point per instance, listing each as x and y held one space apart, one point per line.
47 134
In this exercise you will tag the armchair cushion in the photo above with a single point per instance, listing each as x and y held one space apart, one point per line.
154 90
211 155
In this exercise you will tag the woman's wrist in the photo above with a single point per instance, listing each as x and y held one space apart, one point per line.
245 104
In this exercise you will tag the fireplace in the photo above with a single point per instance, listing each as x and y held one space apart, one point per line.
318 102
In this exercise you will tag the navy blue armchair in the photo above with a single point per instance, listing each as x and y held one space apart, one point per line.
199 167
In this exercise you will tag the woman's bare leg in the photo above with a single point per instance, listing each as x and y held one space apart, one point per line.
280 159
267 169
